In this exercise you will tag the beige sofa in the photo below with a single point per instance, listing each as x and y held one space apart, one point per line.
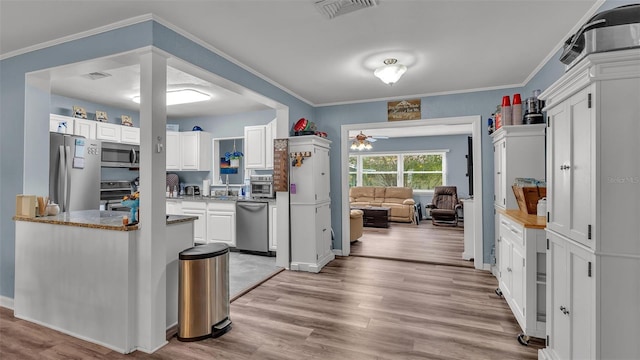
398 199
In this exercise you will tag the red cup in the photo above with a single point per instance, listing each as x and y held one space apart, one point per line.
505 101
516 99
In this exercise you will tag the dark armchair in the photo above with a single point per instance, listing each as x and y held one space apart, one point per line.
444 206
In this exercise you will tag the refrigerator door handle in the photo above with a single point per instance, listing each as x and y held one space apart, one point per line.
68 163
61 175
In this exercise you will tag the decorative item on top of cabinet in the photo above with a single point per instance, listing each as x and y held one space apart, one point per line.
592 189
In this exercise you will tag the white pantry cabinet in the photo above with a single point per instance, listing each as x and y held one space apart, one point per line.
310 215
273 227
593 191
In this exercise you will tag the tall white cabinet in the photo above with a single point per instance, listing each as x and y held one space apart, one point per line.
593 167
310 214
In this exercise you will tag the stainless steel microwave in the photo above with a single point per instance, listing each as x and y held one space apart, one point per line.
120 155
262 186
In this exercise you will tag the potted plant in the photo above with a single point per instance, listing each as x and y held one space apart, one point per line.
233 157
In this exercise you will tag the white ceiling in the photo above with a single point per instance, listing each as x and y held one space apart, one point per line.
448 46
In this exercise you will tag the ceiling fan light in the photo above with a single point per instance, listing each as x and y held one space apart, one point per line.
391 72
183 96
367 145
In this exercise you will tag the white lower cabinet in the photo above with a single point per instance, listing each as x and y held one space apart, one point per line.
522 269
199 209
174 207
572 289
221 223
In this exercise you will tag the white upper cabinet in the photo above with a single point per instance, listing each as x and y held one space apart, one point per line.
108 132
254 147
518 153
195 151
86 128
62 124
258 146
172 149
130 135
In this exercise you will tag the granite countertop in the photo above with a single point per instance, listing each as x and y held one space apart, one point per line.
220 198
108 220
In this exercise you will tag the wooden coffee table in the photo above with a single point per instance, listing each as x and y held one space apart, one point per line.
375 216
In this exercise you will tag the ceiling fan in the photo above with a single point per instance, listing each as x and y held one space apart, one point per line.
363 142
361 137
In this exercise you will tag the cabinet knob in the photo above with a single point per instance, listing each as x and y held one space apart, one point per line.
509 269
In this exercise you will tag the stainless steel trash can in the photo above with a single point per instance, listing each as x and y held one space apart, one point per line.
203 292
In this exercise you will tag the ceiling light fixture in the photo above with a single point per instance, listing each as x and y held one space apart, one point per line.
391 72
361 145
184 96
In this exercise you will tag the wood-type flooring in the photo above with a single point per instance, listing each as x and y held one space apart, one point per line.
355 308
421 243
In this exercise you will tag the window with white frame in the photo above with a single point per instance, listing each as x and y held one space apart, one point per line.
421 171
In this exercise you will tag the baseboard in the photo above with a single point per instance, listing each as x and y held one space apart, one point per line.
467 256
6 302
337 252
487 267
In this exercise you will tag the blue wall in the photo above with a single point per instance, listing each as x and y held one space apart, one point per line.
328 118
12 109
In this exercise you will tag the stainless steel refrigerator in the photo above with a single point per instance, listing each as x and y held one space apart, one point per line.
74 172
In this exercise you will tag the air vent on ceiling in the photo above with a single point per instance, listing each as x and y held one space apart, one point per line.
96 75
333 8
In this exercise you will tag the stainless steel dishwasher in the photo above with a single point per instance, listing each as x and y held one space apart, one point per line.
252 226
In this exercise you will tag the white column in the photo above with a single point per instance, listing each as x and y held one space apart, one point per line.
151 301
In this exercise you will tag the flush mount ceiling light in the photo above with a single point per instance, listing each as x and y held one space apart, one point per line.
391 72
184 96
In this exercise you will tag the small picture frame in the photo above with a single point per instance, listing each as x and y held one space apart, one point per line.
126 120
101 116
79 112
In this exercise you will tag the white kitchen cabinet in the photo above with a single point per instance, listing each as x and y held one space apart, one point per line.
56 120
311 179
571 313
172 150
199 209
258 146
518 153
221 223
254 147
522 270
571 195
593 192
273 227
195 151
108 132
86 128
310 215
129 135
270 135
174 207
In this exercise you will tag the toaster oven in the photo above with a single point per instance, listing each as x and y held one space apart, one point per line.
262 186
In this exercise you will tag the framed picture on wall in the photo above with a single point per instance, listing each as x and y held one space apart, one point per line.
126 120
101 116
79 112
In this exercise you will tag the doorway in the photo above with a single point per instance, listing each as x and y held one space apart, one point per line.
442 126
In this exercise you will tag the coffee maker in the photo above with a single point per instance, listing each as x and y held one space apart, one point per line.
533 110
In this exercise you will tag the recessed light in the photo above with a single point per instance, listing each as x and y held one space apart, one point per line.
183 96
